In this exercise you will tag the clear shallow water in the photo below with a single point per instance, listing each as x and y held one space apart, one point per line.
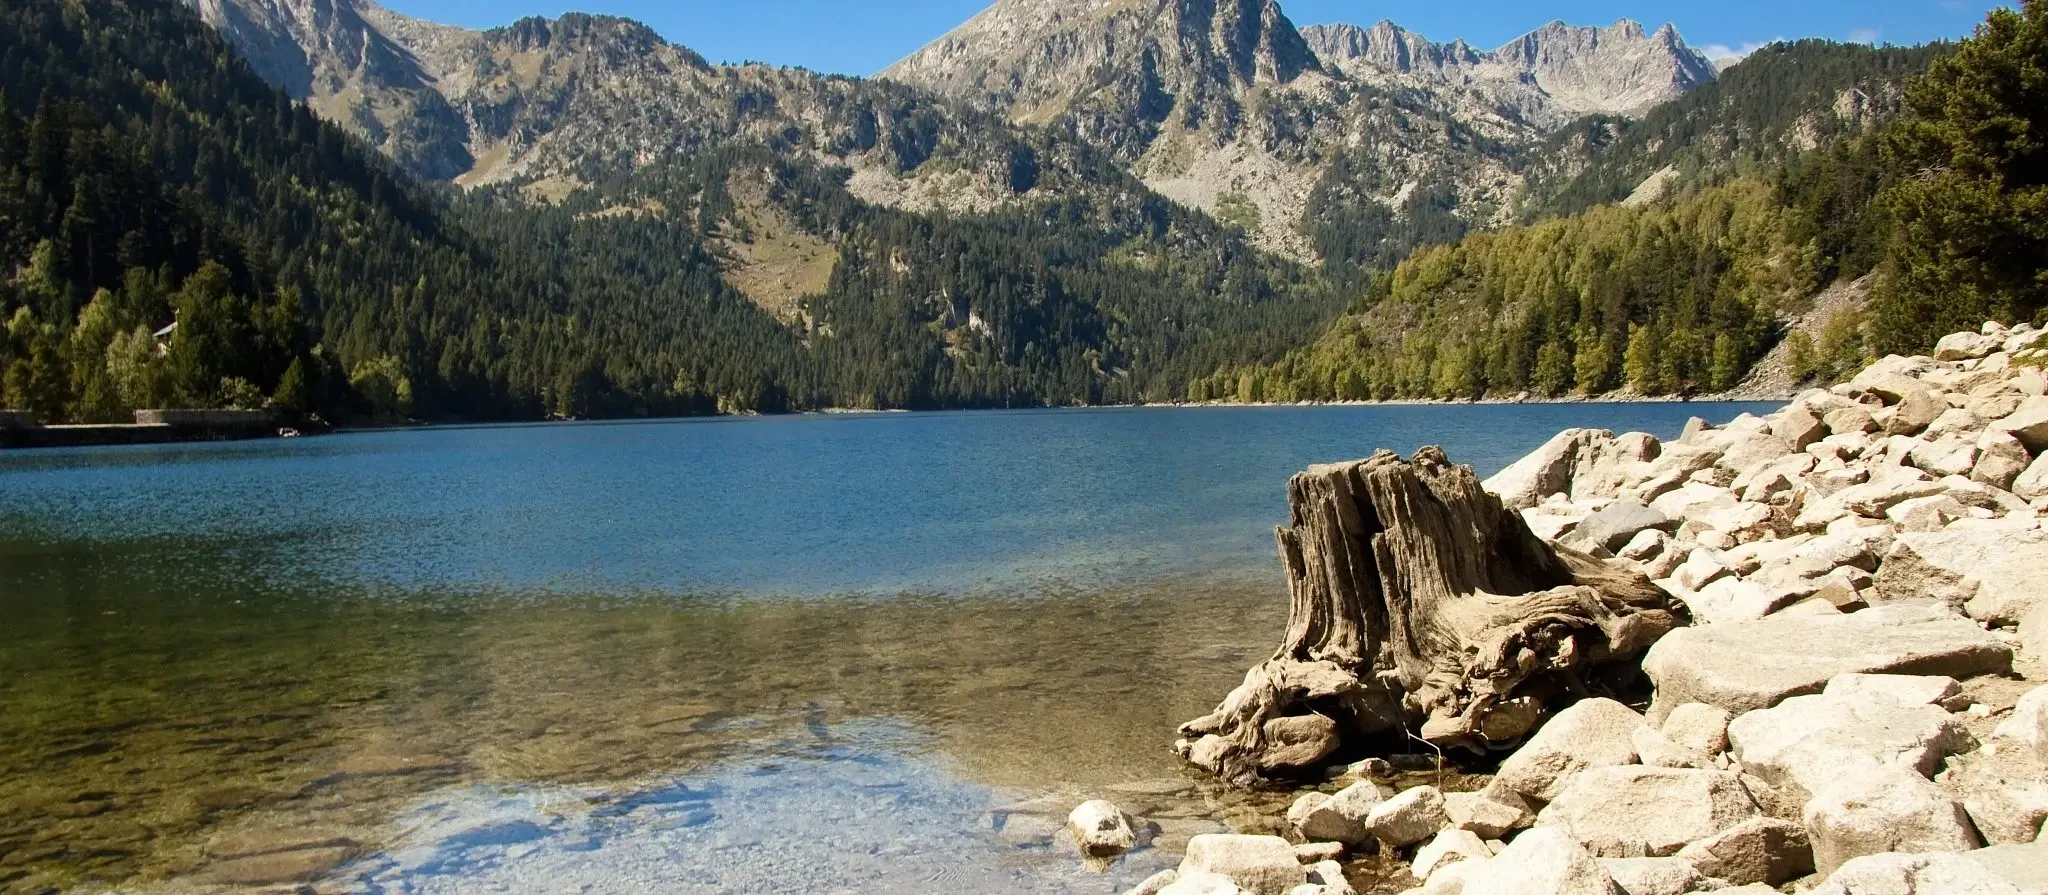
829 653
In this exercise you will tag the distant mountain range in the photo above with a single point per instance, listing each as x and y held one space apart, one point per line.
1226 107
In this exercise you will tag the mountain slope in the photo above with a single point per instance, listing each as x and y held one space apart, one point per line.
557 104
1229 108
1783 99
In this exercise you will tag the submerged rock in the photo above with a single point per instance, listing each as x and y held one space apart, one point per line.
1101 829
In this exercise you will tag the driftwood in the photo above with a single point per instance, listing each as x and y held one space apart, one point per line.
1421 607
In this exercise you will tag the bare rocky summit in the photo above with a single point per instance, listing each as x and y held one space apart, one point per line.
1544 78
1228 106
543 102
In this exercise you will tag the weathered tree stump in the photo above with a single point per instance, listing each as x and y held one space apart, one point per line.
1421 604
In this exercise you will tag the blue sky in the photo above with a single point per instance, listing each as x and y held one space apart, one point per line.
862 36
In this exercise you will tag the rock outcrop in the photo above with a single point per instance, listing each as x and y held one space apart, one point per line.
1849 722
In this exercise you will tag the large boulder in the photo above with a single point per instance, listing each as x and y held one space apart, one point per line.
2025 867
1798 427
1449 847
1914 874
1746 666
1550 469
2027 728
1886 808
1486 817
1615 524
1632 811
1759 850
1807 742
1263 865
1994 576
1905 689
1408 818
1541 862
2000 459
1338 818
1967 346
1590 733
2032 483
2029 424
1698 727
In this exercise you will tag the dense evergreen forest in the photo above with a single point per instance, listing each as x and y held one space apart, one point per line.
175 232
1947 206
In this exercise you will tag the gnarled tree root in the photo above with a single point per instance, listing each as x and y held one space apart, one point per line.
1420 603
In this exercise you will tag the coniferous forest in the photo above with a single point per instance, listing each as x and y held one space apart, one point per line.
176 232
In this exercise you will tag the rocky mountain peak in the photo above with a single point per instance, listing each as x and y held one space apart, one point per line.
1550 75
1040 57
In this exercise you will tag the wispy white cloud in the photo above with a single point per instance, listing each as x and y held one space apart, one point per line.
1724 51
1863 35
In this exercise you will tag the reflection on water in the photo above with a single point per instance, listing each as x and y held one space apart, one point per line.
136 739
814 654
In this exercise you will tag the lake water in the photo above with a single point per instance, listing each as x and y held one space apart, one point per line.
839 654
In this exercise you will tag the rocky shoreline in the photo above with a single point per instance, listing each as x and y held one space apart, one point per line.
1856 709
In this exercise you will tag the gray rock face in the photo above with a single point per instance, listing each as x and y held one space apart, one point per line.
1591 733
1886 808
1746 666
1631 811
1264 865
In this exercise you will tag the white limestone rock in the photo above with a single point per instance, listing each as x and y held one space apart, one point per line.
1654 876
1870 810
1486 817
1409 817
1449 847
1263 865
1914 874
1541 862
1745 666
1340 817
1993 576
2027 727
1632 811
1698 727
1806 742
1759 850
1590 733
1905 874
2029 424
